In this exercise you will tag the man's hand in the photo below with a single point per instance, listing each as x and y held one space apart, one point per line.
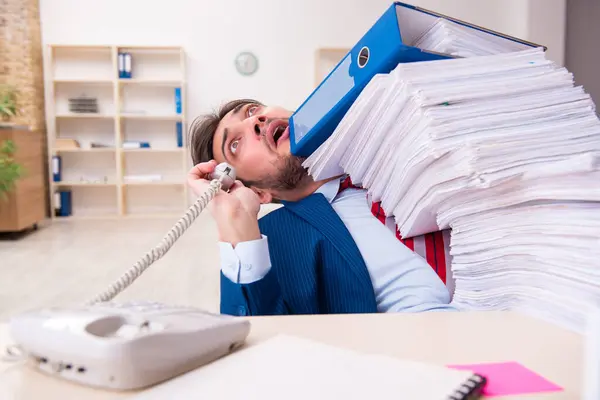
236 212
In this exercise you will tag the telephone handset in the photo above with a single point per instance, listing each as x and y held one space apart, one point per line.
130 345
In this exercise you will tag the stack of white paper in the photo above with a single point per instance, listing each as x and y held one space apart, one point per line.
429 130
540 258
441 140
448 37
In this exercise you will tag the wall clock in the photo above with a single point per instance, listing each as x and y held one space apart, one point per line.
246 63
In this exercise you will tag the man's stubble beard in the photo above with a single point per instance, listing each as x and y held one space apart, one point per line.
292 175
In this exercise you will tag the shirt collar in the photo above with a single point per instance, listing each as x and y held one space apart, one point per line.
330 189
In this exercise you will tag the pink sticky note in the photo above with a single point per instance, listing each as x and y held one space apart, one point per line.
509 378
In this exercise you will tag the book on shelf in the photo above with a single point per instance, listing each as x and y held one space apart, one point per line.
136 145
66 144
142 178
96 145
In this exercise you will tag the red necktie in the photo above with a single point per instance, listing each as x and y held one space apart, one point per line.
434 250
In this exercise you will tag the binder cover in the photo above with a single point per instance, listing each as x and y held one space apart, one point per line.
386 44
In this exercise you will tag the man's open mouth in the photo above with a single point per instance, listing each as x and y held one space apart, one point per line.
278 133
278 130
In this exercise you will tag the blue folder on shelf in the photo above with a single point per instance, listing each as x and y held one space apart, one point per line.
386 44
56 168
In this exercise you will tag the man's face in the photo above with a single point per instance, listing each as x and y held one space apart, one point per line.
255 140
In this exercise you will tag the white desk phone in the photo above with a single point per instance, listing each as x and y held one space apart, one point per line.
130 345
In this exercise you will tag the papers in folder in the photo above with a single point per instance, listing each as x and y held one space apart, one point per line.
503 149
447 37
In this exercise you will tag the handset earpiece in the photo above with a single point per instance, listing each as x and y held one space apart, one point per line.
226 174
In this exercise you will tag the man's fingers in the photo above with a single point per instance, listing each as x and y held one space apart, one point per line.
236 186
200 171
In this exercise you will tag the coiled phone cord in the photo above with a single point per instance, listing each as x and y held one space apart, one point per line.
16 353
224 177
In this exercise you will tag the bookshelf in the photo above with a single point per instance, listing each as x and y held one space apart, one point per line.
101 175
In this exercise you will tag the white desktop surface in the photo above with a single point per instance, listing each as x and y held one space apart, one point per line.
438 337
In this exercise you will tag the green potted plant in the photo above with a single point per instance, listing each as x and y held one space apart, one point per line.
8 104
10 171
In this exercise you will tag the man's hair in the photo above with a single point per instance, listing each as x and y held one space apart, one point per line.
203 128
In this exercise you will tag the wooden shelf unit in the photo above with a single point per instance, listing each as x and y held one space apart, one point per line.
141 108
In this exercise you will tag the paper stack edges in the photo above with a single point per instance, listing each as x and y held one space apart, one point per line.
504 150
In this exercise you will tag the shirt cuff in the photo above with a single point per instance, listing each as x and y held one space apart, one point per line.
246 263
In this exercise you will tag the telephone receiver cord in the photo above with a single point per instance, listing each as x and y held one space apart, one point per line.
15 353
226 177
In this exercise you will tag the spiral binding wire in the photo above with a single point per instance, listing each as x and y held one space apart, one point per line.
161 249
472 389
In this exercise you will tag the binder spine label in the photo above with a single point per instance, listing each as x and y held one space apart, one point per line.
121 63
57 203
56 168
127 66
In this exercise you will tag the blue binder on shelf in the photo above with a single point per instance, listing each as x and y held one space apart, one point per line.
121 65
63 203
124 65
179 133
128 65
178 107
385 45
56 168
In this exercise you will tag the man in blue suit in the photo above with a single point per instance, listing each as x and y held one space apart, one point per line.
322 252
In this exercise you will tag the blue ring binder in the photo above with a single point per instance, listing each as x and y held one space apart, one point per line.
389 43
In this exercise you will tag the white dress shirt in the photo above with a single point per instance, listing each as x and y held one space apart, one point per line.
402 280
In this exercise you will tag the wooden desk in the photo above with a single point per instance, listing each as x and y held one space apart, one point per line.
442 338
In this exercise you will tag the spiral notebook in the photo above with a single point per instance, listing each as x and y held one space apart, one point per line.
287 367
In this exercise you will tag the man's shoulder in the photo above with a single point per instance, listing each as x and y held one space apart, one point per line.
276 217
271 213
282 215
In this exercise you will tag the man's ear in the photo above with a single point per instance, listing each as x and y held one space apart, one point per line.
264 195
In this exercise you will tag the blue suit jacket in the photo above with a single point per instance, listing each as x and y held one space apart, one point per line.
316 266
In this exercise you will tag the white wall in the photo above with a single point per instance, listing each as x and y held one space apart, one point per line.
214 31
547 25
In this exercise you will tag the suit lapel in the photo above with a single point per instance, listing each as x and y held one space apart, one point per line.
317 211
